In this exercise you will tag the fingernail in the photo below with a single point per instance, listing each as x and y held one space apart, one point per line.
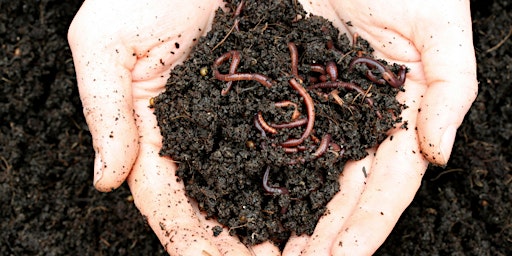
98 168
447 142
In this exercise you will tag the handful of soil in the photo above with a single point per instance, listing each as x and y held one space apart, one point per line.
266 111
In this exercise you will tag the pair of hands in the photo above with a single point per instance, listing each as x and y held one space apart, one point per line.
122 54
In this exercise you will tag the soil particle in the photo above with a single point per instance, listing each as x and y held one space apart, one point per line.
242 175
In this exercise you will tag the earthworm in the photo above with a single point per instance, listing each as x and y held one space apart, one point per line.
318 68
387 74
293 124
232 75
294 56
310 107
235 60
258 126
239 8
262 79
287 103
272 190
295 149
324 144
332 70
264 125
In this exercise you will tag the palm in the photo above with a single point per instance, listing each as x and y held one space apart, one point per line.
401 32
123 54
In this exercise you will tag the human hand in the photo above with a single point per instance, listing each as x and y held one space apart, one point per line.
434 40
123 53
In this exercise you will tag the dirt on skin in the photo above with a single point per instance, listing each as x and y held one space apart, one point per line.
49 206
224 158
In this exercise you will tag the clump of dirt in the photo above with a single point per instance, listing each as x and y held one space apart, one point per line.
242 172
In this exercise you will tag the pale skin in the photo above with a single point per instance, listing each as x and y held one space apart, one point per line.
121 51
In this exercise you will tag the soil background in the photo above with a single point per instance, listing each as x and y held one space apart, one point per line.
49 206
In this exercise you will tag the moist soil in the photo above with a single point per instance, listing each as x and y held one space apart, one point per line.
49 206
220 141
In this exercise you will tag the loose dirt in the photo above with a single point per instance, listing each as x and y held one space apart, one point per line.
224 157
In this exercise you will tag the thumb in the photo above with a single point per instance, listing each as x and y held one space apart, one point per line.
104 81
450 72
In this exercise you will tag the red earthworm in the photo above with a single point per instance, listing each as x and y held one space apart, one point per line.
387 74
393 80
310 107
232 75
239 8
335 147
323 78
293 124
330 46
337 98
287 103
262 79
314 138
258 126
374 78
317 68
235 55
294 56
272 190
237 13
264 125
324 144
332 70
295 149
235 60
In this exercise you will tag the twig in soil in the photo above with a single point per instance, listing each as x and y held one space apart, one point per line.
224 39
446 172
234 27
501 42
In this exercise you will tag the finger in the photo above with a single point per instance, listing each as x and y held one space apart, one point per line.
231 245
396 174
104 84
352 184
265 249
162 201
161 183
295 244
450 72
226 244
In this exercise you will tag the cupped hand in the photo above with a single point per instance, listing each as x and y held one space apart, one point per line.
434 40
123 53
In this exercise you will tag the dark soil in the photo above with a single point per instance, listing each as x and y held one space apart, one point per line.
223 156
49 206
